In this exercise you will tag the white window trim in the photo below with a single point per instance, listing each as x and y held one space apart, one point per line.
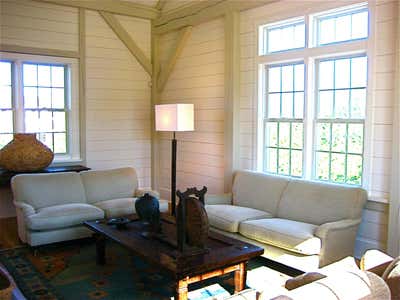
310 55
74 154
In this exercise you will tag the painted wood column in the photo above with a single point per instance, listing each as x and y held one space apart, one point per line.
232 97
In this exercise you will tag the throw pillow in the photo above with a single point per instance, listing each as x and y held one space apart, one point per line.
303 279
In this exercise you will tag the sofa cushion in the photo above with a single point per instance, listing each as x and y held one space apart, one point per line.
257 190
109 184
291 235
228 217
318 203
60 216
43 190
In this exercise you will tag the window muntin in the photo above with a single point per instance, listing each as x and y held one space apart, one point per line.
45 105
351 24
284 36
6 103
284 119
339 132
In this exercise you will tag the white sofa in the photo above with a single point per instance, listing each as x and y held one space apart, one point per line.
300 223
52 207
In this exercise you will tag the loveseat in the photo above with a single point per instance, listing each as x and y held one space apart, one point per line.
300 223
52 207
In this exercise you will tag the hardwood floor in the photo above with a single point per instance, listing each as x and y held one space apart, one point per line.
9 233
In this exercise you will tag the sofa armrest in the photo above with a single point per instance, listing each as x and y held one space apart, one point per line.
218 199
141 192
25 208
337 239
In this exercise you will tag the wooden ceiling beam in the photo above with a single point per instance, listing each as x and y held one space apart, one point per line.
202 12
115 6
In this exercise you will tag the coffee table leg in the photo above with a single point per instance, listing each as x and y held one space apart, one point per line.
240 278
181 292
100 249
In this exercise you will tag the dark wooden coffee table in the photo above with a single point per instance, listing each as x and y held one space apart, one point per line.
224 254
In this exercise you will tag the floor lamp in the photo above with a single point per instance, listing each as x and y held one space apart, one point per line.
174 117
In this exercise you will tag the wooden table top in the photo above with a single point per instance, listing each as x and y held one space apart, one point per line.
221 251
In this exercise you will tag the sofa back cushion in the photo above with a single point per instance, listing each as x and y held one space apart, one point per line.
257 190
43 190
318 203
109 184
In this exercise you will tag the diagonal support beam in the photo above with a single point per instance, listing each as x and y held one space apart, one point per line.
124 36
184 35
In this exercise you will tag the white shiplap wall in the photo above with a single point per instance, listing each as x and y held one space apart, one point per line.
197 78
373 230
35 24
117 98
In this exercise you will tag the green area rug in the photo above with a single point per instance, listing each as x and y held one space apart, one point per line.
69 271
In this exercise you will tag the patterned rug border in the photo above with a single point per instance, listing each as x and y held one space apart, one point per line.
21 281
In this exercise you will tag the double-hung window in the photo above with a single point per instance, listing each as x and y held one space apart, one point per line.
314 96
39 95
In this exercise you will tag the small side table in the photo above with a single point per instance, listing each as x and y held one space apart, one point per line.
5 176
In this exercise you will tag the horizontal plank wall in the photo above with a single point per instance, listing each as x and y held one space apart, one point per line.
117 98
198 78
33 24
373 230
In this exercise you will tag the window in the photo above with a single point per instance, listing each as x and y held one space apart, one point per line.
314 100
283 36
39 95
284 122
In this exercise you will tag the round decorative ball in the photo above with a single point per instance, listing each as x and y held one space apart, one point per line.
25 154
148 208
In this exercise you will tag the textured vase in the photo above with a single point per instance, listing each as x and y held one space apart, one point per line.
25 154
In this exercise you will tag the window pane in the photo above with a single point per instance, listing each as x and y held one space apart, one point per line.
298 105
286 36
354 169
284 135
299 77
60 143
297 163
5 73
31 121
57 97
322 166
59 121
287 105
274 106
338 167
30 97
272 134
274 79
358 99
57 76
297 136
44 75
359 25
326 31
287 78
44 97
342 73
6 121
342 98
326 75
272 159
47 139
323 136
343 28
30 75
359 72
325 104
45 121
5 97
5 139
355 138
339 137
284 158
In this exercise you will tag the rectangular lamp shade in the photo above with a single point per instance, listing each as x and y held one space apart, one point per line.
175 117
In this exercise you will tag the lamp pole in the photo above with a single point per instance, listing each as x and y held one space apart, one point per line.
173 176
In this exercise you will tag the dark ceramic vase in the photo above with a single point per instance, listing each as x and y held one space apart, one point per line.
148 210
